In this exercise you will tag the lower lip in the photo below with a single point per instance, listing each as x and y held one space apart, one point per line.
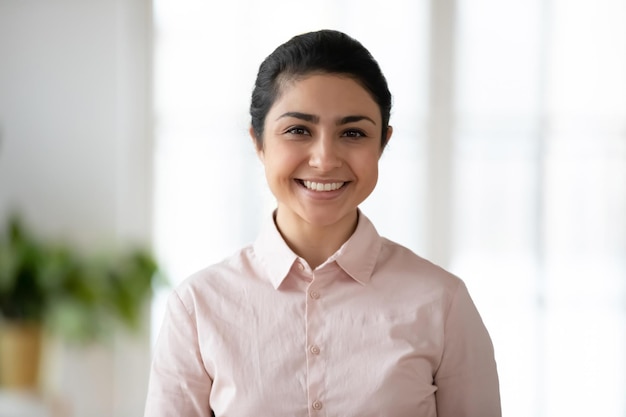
323 195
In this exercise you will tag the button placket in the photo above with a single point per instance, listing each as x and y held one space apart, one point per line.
314 331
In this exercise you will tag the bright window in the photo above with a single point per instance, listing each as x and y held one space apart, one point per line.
534 173
540 197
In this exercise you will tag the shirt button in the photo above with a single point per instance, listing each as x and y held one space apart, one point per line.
300 266
317 405
315 350
315 295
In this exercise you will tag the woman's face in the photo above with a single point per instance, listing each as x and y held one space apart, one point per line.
321 148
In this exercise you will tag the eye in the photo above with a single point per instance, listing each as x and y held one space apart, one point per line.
297 130
354 133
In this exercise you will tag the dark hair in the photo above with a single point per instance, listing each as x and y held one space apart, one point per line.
324 51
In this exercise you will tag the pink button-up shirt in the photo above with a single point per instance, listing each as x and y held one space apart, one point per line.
374 331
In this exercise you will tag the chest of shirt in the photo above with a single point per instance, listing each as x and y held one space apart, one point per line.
333 345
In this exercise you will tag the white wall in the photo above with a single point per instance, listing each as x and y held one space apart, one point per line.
75 155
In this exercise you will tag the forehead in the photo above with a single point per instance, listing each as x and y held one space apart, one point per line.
325 95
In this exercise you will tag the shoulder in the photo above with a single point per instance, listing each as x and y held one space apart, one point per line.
397 262
218 279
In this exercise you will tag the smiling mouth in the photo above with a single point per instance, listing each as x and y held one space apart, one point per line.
319 186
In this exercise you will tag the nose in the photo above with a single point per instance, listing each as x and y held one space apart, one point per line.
325 154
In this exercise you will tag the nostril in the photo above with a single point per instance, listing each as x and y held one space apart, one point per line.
325 161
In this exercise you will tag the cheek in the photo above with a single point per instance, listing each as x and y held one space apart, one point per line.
368 167
279 165
282 157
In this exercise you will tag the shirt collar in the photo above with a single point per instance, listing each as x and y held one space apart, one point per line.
272 250
357 256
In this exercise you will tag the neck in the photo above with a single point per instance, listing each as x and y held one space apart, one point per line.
315 243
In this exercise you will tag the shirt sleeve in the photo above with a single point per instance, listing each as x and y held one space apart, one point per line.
179 383
467 378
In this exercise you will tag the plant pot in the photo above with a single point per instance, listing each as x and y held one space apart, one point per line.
20 355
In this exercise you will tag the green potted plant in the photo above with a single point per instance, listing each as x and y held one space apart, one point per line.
50 287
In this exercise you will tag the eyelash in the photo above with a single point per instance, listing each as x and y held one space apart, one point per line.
292 130
350 133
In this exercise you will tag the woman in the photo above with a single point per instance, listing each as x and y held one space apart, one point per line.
321 315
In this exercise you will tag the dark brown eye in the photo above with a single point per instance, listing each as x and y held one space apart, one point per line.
354 133
297 130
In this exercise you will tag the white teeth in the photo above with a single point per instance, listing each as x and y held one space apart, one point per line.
318 186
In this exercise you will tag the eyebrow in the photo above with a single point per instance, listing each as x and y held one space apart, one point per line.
315 119
352 119
302 116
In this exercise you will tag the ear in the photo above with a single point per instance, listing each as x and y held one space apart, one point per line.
389 133
255 143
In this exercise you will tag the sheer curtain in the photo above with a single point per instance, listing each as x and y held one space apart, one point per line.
540 196
507 165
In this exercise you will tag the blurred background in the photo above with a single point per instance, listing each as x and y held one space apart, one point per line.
126 120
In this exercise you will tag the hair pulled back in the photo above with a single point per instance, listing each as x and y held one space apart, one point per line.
324 51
